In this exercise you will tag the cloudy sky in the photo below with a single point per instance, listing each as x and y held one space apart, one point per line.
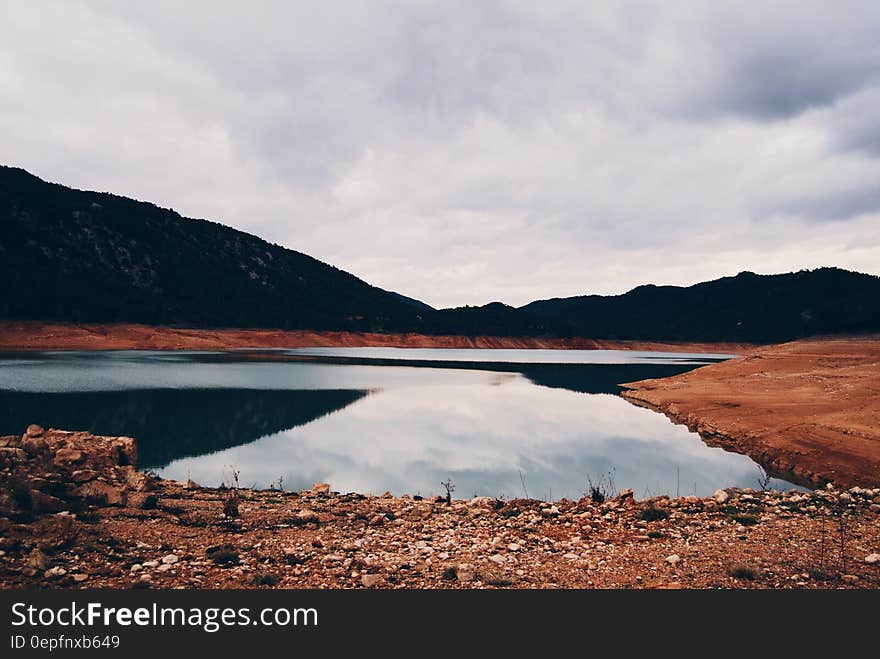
464 152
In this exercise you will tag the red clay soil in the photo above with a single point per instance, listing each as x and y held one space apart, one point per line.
32 335
808 409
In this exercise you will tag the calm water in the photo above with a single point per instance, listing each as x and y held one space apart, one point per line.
376 419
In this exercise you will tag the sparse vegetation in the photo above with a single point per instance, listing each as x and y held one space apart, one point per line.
265 579
449 486
602 489
743 572
225 555
653 514
745 519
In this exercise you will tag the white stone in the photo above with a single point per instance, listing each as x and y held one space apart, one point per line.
721 496
170 559
137 567
872 559
498 559
370 580
673 559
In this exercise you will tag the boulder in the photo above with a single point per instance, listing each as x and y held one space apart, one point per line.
111 495
321 488
138 482
45 503
83 475
65 457
10 457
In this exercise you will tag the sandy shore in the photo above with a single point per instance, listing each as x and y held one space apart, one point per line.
75 514
125 336
808 408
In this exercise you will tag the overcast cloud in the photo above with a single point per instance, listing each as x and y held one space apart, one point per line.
464 152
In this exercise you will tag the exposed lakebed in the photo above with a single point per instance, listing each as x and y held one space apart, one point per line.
495 422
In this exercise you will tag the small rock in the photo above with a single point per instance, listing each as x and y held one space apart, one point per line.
164 567
498 559
851 578
151 564
371 580
306 516
321 488
170 559
55 572
83 475
79 578
872 559
513 546
464 573
33 430
721 496
673 559
137 567
570 556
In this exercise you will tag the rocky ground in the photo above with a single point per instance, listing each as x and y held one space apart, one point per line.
808 411
74 513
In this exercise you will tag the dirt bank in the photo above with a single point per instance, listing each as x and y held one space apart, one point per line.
66 336
809 408
75 514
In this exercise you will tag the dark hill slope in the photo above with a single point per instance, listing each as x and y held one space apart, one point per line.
89 256
68 255
747 307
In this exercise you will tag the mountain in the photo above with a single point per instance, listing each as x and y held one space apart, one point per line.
747 307
70 255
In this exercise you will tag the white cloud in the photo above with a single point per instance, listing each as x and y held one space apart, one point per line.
465 153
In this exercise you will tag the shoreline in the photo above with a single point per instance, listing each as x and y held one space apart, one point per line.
808 408
37 335
80 516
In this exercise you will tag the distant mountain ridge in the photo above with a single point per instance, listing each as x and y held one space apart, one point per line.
747 307
75 256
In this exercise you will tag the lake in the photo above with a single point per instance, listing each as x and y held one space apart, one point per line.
496 422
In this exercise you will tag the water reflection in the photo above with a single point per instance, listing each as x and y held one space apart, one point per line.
173 423
375 423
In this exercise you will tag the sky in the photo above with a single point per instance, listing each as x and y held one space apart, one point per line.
468 152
